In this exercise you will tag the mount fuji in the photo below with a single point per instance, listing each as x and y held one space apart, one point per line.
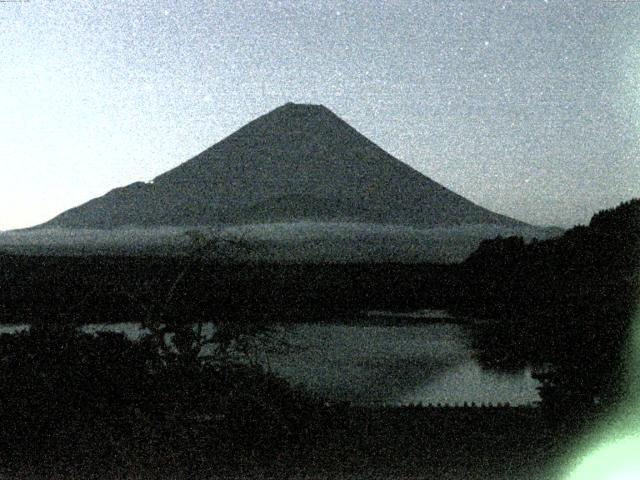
309 185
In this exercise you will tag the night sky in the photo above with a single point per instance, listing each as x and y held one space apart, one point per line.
530 108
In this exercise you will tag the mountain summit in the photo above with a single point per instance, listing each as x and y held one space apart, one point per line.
296 163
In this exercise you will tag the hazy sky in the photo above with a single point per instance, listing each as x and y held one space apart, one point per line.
530 108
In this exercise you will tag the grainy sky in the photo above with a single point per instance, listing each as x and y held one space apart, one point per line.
530 108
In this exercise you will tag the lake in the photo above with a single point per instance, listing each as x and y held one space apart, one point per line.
387 359
397 365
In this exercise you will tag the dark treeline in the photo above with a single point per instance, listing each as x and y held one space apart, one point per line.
113 289
564 305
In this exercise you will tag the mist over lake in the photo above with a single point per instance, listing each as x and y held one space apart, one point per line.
281 242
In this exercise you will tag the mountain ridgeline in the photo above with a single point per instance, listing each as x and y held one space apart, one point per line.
296 163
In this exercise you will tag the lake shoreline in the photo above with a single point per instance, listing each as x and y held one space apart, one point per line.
376 359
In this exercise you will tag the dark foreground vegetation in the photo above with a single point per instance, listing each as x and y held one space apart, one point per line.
76 404
101 401
181 403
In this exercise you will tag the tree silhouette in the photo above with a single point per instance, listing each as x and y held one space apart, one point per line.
564 305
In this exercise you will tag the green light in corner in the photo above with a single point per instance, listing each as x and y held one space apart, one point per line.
619 460
617 455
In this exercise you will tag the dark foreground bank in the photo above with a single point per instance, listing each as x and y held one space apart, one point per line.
76 405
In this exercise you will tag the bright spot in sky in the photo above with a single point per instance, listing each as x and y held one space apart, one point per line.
619 460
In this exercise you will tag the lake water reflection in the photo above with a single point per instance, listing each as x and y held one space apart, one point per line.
381 364
378 363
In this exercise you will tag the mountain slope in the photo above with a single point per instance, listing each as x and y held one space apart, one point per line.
297 162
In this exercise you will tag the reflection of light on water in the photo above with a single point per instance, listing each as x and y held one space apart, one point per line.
132 330
11 329
374 364
613 451
469 382
397 365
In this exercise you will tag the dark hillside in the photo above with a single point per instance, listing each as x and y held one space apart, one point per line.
566 303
